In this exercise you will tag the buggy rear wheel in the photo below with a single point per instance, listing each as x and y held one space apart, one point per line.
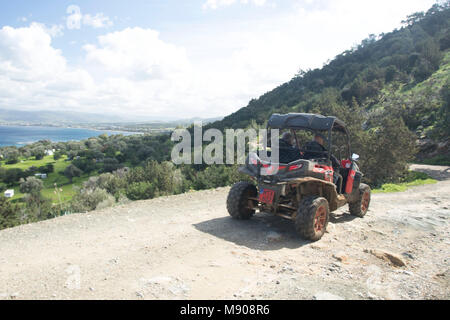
359 208
312 218
239 205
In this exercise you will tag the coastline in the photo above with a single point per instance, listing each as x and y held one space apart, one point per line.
15 135
45 125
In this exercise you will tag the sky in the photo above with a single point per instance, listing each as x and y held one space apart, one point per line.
172 59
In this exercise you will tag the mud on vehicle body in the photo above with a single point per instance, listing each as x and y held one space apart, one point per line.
308 189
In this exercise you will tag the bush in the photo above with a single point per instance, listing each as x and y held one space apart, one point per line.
88 199
85 165
38 153
72 171
385 156
112 183
108 202
57 155
12 176
141 191
48 168
36 208
31 185
110 165
8 216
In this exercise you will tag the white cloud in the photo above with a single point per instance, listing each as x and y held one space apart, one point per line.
128 72
75 19
214 4
138 54
54 31
27 53
34 75
200 72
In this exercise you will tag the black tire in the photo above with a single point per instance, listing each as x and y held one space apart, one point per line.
312 218
359 207
238 202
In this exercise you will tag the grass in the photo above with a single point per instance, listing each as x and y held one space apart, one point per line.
57 177
414 178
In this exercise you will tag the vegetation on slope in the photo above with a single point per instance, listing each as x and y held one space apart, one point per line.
412 179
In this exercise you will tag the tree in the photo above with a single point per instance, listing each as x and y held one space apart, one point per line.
31 185
12 156
38 153
110 165
8 216
12 176
72 171
57 155
388 152
36 207
48 168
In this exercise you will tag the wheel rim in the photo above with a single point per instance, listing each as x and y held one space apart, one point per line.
320 219
250 202
365 201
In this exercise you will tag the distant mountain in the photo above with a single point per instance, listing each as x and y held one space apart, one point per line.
60 118
54 117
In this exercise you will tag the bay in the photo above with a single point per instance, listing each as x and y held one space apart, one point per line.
23 135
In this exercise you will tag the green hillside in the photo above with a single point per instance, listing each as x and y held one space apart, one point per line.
403 73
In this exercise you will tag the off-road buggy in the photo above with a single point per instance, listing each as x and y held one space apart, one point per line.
307 189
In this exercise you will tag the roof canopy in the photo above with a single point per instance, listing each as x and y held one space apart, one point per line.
310 121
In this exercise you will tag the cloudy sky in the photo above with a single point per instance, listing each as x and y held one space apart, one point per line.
176 59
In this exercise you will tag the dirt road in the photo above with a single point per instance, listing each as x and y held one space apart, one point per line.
187 247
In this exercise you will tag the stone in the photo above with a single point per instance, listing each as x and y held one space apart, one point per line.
408 255
390 257
340 256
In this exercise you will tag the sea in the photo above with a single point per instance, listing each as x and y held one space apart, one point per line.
23 135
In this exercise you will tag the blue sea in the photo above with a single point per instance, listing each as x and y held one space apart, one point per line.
23 135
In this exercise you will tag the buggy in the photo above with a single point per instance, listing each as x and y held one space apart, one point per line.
308 188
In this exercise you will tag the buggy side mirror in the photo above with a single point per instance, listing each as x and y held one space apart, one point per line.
355 157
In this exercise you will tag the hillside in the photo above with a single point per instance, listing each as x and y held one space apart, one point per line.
405 72
393 92
187 247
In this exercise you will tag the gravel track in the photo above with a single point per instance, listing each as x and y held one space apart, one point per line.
187 247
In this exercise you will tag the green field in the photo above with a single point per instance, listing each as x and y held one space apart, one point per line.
413 179
57 177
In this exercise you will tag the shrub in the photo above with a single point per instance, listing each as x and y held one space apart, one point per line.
72 171
88 199
141 191
8 216
108 202
31 185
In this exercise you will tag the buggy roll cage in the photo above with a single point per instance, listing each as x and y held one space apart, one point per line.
310 122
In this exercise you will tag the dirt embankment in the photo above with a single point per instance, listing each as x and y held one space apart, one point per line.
187 247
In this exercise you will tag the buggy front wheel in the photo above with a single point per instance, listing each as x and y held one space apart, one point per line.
361 205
